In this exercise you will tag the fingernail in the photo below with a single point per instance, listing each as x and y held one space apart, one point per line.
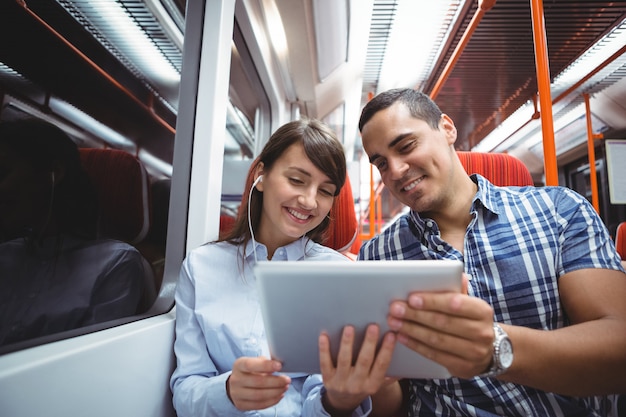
398 310
416 301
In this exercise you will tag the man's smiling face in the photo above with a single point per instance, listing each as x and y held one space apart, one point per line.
414 160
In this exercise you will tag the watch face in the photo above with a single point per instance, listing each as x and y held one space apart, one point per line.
506 353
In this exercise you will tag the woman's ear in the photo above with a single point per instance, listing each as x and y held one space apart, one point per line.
258 180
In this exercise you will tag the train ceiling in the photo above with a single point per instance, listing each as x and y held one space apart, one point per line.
495 73
493 77
66 53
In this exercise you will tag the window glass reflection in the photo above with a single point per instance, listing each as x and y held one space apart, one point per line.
59 271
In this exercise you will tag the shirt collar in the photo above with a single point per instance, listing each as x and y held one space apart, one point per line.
485 194
293 251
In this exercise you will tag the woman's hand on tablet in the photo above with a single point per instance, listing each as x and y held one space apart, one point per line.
252 384
348 385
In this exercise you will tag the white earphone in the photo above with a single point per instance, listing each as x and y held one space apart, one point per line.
258 180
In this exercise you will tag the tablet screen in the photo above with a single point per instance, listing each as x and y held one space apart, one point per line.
301 299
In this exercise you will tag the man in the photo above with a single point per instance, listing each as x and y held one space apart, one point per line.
542 329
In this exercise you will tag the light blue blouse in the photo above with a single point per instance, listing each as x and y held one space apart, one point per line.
218 319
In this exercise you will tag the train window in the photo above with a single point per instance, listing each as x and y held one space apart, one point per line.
336 120
578 177
86 152
117 103
250 118
616 172
247 118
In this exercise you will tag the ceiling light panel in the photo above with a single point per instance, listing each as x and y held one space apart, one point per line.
130 31
331 34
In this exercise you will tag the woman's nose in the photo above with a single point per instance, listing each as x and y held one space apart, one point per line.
307 199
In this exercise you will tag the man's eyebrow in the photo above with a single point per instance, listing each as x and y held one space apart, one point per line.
391 145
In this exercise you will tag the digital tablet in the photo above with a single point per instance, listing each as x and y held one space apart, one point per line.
301 299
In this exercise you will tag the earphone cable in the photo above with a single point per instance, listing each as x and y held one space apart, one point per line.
256 259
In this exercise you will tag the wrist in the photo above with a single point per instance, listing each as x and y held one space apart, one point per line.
227 383
502 356
331 410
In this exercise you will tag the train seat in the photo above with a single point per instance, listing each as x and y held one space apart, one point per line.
620 240
226 224
499 168
121 181
122 186
343 234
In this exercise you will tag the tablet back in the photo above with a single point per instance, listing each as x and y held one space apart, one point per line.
299 300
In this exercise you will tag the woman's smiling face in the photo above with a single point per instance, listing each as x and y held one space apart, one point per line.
297 196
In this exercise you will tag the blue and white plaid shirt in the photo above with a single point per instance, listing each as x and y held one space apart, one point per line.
518 244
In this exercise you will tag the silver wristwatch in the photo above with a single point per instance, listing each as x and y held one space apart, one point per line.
502 353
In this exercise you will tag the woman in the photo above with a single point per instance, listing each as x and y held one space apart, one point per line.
221 349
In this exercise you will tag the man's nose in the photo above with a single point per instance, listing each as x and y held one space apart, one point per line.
397 168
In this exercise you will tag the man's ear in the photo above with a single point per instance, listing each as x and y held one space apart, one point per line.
448 127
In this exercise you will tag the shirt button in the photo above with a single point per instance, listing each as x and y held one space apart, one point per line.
440 248
252 340
429 223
